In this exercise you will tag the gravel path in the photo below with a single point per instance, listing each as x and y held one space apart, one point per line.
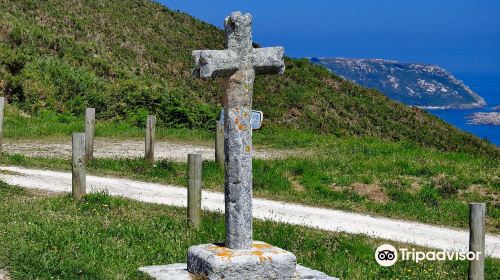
109 148
325 219
4 275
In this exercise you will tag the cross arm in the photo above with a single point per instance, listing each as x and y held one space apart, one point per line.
212 63
268 60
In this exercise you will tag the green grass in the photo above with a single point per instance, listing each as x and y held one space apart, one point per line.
101 237
49 125
399 180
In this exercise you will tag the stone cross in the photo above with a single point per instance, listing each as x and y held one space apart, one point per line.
239 62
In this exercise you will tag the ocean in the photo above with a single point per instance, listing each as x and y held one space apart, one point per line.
486 85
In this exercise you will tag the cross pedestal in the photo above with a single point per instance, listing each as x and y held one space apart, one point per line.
240 257
261 261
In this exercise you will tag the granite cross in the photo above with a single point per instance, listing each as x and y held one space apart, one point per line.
239 62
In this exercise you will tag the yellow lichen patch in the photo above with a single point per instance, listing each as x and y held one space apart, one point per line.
262 246
261 250
248 149
261 256
226 255
239 124
222 252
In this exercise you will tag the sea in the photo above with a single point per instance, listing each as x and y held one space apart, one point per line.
487 85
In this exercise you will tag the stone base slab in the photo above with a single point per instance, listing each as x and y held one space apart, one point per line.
179 272
216 262
262 261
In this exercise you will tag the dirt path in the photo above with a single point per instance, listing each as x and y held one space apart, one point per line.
4 275
110 148
325 219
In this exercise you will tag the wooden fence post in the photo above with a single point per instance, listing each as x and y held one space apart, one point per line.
2 105
150 139
89 133
194 189
79 184
219 143
477 212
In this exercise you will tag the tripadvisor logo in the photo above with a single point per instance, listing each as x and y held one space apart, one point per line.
387 255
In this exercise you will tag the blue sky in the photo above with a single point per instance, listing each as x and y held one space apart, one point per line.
460 35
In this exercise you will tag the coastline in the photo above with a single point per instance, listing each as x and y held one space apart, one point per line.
477 105
484 118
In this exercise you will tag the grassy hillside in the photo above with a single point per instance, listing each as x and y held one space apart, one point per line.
128 58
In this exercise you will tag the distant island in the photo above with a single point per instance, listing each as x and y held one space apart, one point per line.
484 118
421 85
